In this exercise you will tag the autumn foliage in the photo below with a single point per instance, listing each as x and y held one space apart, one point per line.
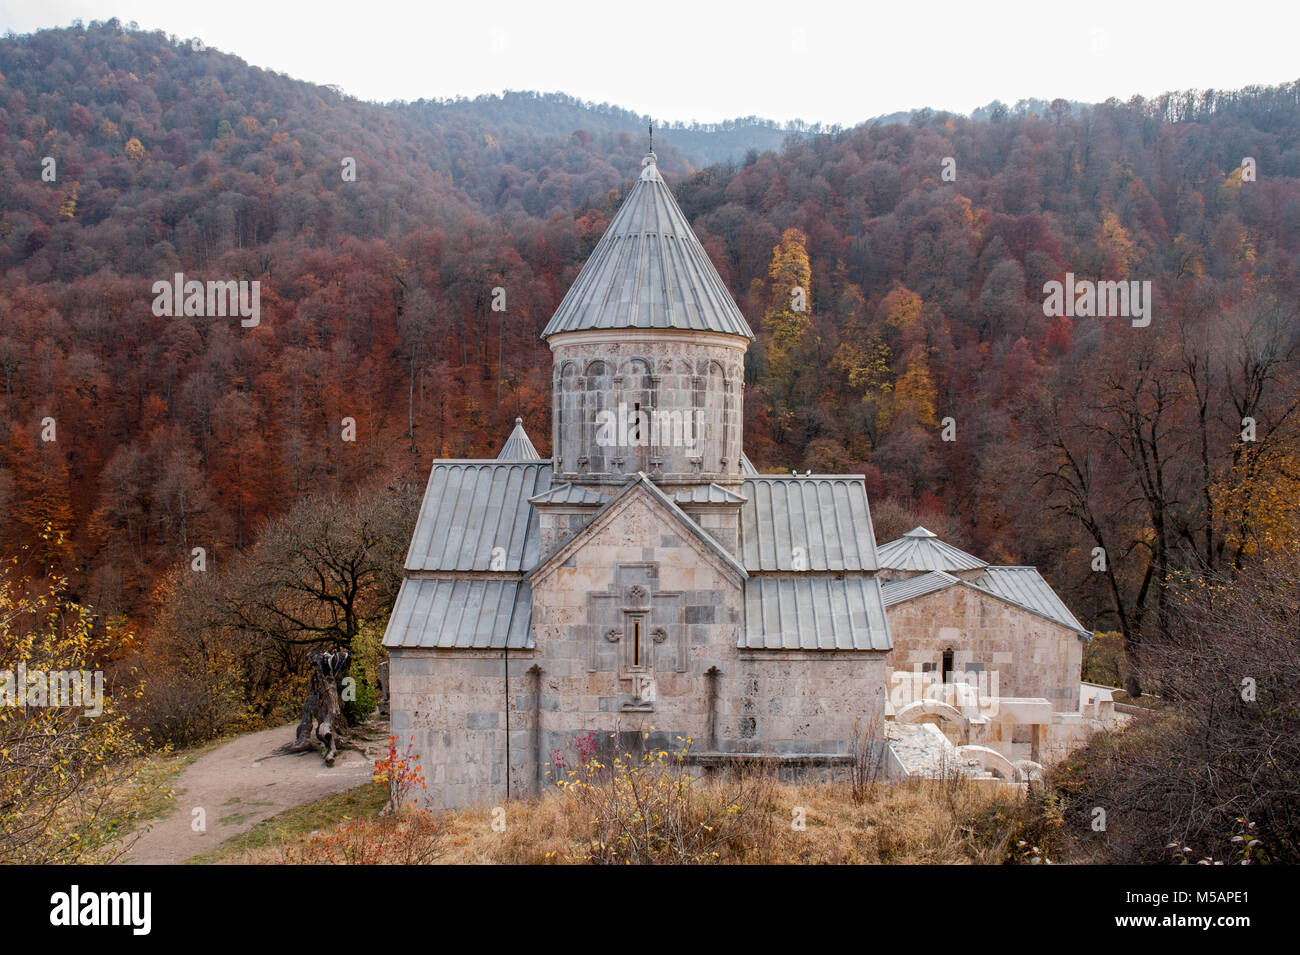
893 304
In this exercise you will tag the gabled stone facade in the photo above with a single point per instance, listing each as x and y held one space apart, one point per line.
1015 652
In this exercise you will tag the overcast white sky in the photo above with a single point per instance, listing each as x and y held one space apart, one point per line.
830 62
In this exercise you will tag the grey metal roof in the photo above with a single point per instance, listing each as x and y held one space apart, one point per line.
649 271
470 508
1025 586
897 591
920 549
747 466
517 446
824 515
814 612
482 613
1022 586
708 494
570 494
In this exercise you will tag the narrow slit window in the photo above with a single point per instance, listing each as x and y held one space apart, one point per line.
636 643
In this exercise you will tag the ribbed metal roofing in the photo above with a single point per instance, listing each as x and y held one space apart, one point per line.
1022 586
747 466
482 613
517 446
470 508
708 494
920 549
897 591
649 271
814 612
1025 586
570 494
825 516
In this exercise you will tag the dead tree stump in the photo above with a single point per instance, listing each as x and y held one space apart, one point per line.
322 709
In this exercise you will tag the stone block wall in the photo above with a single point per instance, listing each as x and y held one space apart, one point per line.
579 679
670 373
557 524
799 702
722 522
1032 656
451 705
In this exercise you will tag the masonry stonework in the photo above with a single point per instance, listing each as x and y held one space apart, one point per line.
1032 656
454 704
692 382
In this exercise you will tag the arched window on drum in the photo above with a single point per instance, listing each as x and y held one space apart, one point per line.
715 424
637 399
597 399
569 427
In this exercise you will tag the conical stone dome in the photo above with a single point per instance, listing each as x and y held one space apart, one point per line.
649 271
648 349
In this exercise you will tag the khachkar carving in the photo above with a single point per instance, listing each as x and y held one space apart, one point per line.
643 692
634 630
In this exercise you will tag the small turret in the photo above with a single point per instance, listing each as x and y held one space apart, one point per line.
517 446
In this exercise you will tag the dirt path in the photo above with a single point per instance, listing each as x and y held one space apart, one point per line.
240 784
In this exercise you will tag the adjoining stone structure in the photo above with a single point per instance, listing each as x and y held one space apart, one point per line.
646 579
995 644
1020 653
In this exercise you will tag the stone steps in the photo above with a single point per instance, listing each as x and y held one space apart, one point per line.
923 750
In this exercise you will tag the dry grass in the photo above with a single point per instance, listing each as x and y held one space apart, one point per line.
916 822
955 821
913 822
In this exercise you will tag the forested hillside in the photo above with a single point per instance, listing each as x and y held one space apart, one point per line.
521 114
924 248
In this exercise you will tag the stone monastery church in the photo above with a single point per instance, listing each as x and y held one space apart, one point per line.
646 578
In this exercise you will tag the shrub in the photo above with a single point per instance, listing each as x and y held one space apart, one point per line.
409 837
401 773
66 762
648 809
358 711
1218 770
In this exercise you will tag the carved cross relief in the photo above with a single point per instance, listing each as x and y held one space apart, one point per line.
635 628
